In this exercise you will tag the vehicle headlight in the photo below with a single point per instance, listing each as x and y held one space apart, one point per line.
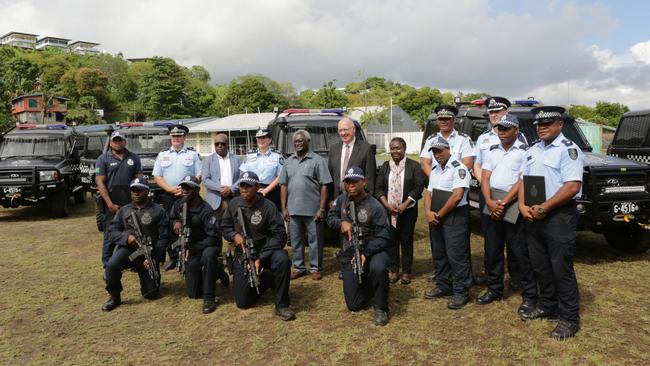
48 175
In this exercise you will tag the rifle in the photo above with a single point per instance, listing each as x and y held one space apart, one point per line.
357 243
182 243
249 253
145 247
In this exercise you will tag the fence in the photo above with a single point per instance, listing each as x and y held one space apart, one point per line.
382 140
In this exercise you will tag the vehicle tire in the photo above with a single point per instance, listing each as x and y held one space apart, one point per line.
632 239
60 205
99 212
80 197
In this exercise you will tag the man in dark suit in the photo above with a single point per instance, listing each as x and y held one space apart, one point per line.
399 186
350 152
220 172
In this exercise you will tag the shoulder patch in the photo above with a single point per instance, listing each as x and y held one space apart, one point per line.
567 142
573 153
494 147
529 157
523 147
455 164
191 148
462 173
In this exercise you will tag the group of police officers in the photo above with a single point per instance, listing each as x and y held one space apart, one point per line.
527 206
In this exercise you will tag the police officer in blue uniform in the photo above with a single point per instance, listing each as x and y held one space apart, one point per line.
449 226
375 240
265 227
202 266
154 223
500 174
551 225
497 108
267 165
171 166
461 146
114 171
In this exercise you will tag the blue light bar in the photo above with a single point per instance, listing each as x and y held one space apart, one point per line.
163 124
334 110
527 102
56 127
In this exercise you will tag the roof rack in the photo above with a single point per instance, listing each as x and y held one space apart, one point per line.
31 126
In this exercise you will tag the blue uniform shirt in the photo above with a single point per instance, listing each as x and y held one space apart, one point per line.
453 175
118 172
174 165
267 166
488 139
559 162
460 145
504 165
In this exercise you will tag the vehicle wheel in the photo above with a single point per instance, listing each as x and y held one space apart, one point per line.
99 212
633 239
80 197
60 206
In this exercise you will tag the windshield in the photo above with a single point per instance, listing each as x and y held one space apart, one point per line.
26 146
632 132
570 131
321 138
147 143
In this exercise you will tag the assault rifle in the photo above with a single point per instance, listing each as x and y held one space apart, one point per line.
356 242
182 244
145 247
249 253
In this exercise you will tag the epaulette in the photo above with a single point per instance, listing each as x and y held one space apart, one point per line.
493 147
464 135
190 148
523 147
455 164
567 142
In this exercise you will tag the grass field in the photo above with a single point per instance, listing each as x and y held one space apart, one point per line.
51 290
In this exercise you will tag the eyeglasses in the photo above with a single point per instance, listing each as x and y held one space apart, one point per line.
220 144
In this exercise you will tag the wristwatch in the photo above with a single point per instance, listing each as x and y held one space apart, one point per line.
541 210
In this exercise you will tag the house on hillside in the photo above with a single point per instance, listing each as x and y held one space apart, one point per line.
52 42
18 39
29 108
84 48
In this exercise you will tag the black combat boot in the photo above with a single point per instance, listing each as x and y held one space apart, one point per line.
113 302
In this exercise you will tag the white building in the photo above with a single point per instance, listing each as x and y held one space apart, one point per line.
52 42
240 128
18 39
84 48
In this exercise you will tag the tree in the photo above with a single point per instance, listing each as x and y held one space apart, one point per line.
329 97
247 95
377 117
611 112
163 90
420 103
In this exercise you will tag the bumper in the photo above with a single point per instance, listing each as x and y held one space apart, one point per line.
14 196
597 216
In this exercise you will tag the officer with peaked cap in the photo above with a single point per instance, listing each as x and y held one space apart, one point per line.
154 224
264 225
500 187
551 225
375 243
497 107
449 226
461 146
171 166
267 165
201 265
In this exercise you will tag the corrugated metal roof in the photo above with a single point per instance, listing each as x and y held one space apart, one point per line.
235 122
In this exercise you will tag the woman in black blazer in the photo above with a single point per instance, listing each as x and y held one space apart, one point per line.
398 187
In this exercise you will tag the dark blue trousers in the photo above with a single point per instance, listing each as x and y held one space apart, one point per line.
374 285
120 261
451 252
276 274
201 273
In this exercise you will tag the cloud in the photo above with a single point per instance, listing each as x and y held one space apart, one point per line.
452 45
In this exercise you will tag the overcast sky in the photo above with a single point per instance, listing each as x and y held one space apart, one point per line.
557 51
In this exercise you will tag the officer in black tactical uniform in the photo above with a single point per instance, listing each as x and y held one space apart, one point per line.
375 238
201 261
265 227
154 223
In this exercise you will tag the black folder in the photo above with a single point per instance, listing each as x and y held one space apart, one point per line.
439 198
534 190
120 195
512 211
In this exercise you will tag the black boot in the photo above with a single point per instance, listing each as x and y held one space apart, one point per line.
565 330
113 302
209 305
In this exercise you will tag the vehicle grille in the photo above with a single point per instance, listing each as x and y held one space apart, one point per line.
621 184
16 177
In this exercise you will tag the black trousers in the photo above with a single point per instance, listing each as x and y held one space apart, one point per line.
498 233
276 274
374 284
513 268
120 261
107 246
167 202
451 252
402 239
201 273
552 245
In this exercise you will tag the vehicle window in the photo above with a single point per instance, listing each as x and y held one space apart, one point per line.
632 132
147 143
31 146
319 138
95 147
570 131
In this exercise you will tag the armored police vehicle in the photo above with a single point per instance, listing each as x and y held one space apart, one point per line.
39 164
615 197
632 137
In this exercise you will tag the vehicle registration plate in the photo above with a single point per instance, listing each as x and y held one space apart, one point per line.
11 189
625 208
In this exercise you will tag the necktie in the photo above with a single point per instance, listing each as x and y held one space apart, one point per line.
344 167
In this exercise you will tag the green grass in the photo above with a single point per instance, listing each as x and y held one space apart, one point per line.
52 289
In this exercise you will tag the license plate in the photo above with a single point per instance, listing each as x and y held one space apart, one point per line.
625 208
8 190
